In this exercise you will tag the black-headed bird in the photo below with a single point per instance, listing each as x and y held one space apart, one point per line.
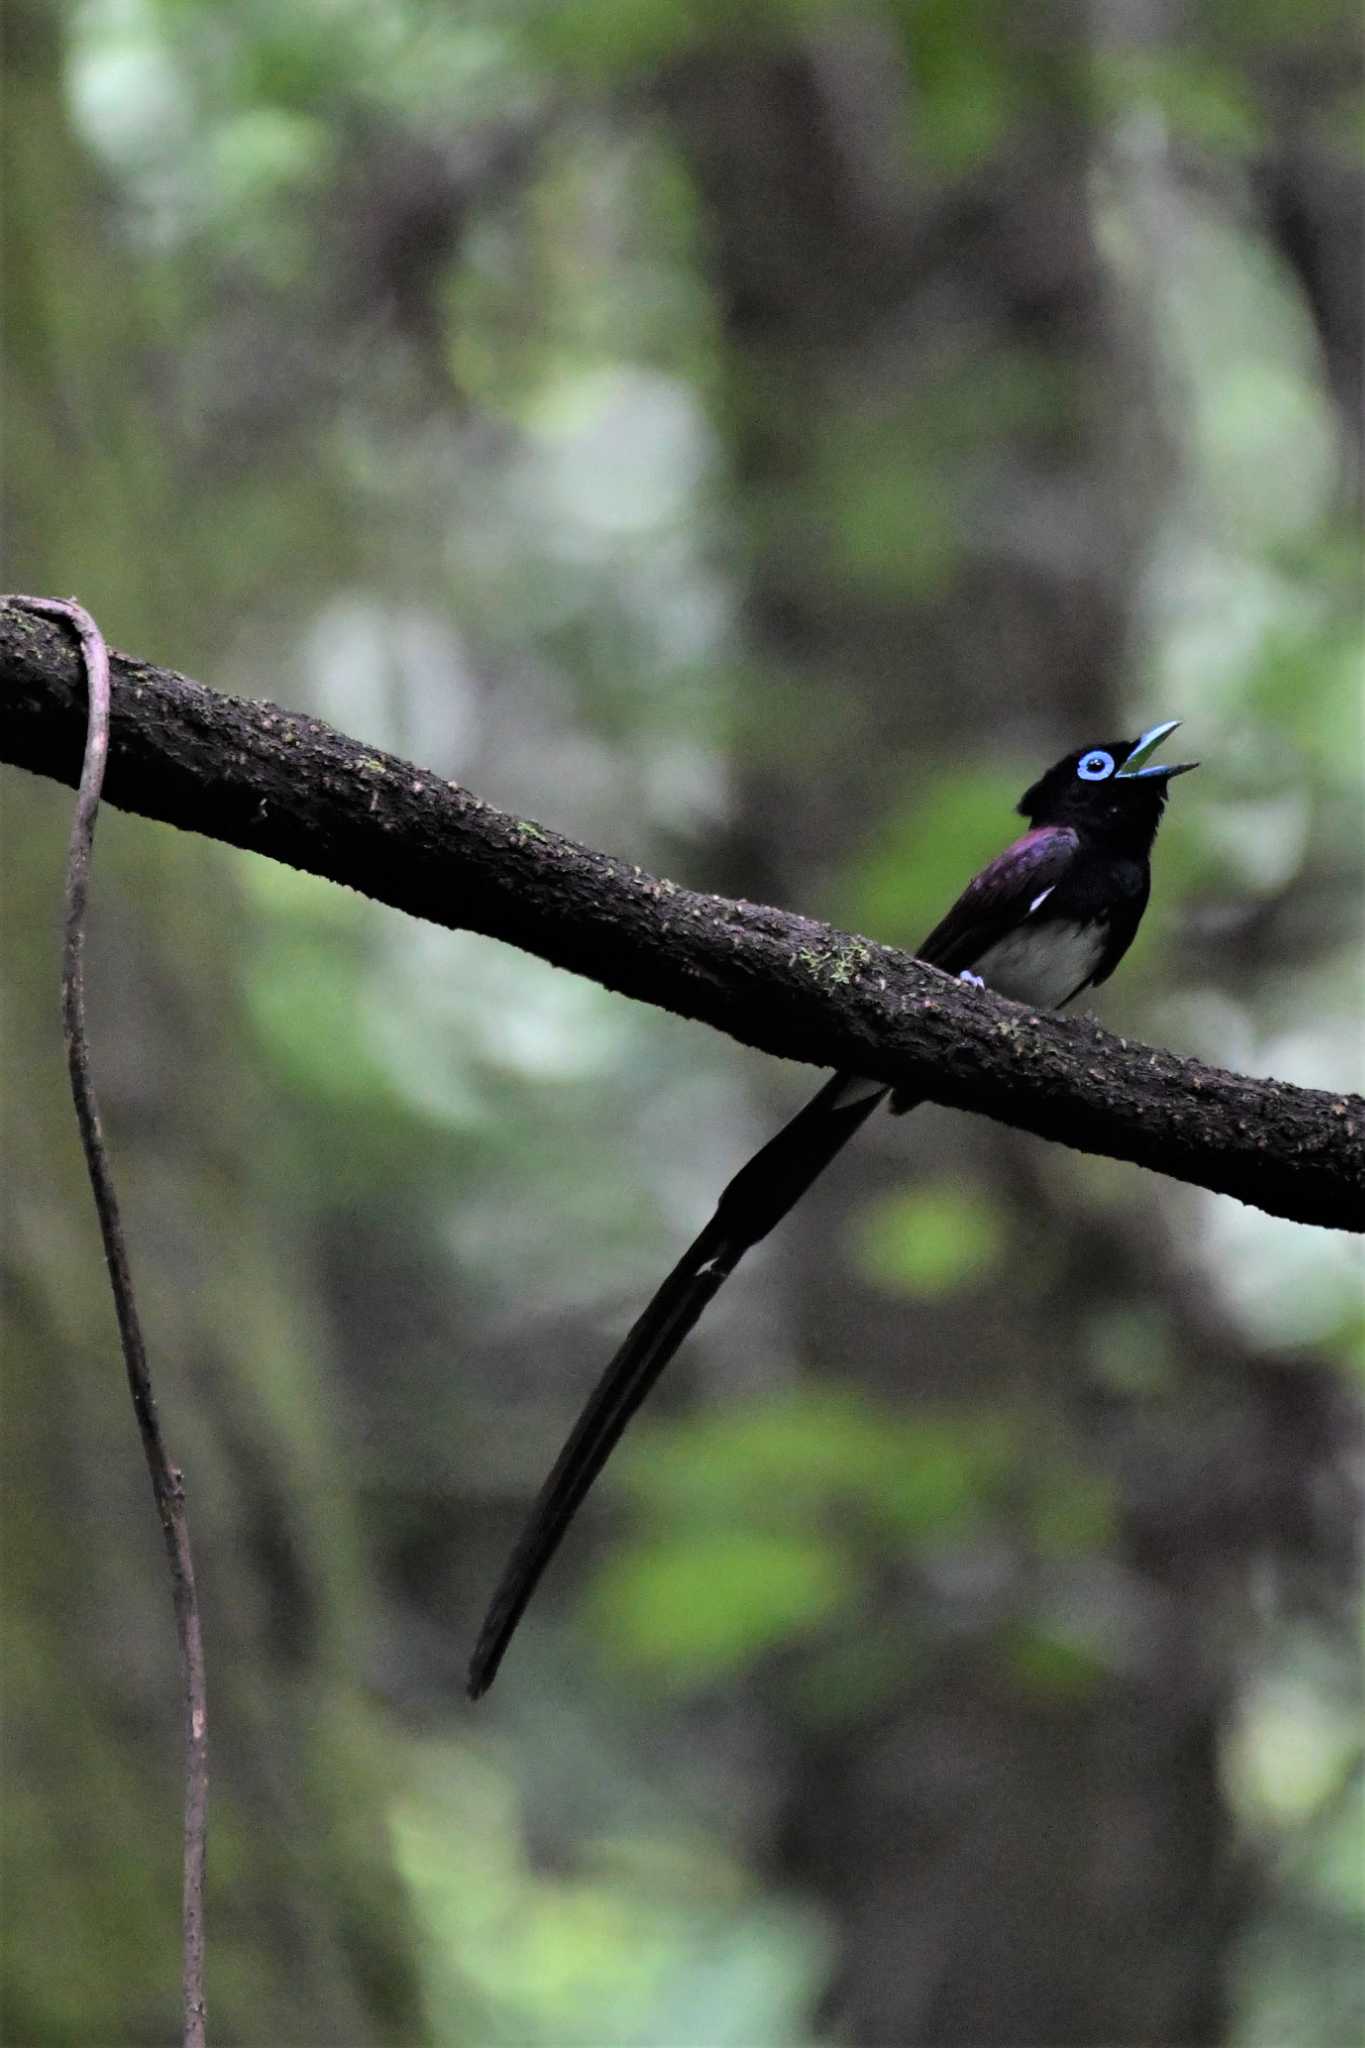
1050 916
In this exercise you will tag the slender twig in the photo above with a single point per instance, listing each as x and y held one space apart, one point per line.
167 1481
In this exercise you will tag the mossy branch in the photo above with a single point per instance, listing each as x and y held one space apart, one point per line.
295 790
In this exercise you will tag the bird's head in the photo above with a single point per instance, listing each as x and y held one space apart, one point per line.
1113 789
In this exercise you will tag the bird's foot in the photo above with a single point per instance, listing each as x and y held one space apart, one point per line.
972 980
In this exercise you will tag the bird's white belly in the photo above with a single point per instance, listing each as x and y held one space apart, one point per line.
1043 965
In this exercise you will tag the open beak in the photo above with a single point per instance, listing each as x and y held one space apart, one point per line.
1134 766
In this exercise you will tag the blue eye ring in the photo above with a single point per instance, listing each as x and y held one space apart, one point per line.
1094 766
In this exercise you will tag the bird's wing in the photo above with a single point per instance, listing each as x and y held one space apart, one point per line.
1000 897
1124 918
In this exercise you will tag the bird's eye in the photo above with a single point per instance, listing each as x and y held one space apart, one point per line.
1094 767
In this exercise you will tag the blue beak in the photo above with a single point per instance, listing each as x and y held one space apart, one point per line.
1133 767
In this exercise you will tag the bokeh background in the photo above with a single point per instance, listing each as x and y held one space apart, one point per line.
754 441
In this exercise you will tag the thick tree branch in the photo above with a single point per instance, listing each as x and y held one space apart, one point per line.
289 787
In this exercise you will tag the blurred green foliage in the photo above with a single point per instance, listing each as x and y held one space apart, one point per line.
791 1461
901 882
700 1607
656 1936
377 358
930 1239
759 1528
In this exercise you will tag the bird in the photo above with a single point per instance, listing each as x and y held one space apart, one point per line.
1050 916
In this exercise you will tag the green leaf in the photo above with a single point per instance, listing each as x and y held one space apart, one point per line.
923 853
1051 1663
695 1607
929 1240
790 1464
1209 105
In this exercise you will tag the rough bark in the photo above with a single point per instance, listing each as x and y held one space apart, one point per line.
292 788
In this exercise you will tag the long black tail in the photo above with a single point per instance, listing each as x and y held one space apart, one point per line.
757 1198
